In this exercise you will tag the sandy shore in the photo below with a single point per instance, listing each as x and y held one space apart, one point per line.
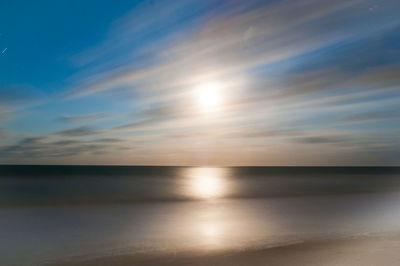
353 251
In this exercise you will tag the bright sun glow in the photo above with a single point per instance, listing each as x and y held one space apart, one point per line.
209 96
206 183
211 232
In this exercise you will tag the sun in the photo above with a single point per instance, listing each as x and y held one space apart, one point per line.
209 96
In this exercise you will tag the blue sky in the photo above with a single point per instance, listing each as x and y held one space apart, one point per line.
310 82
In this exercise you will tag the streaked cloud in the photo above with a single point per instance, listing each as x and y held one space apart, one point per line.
82 119
45 146
294 75
78 132
16 98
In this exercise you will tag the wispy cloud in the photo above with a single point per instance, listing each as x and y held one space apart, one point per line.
392 114
78 132
45 146
294 75
4 133
82 119
245 40
16 98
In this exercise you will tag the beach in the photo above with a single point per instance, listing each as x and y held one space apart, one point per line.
363 250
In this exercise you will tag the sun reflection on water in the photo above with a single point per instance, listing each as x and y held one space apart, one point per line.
210 230
206 183
211 233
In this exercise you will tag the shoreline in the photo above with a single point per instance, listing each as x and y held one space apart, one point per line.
362 250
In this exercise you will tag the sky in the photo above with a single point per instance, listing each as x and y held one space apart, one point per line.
200 82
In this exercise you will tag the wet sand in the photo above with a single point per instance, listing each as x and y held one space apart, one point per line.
377 250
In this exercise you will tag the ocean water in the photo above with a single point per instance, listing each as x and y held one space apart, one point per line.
62 213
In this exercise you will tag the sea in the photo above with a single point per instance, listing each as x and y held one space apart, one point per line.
51 214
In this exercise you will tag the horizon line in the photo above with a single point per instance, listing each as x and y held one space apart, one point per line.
206 166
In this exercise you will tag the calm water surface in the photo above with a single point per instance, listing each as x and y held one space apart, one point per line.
59 213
